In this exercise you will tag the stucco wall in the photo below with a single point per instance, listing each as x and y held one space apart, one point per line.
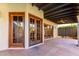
4 20
3 26
48 22
34 10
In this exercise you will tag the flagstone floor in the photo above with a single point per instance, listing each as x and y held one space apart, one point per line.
54 47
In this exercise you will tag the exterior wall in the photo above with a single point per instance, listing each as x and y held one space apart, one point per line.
48 22
4 20
34 10
3 26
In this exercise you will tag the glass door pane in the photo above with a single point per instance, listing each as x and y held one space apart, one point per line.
32 31
18 31
39 35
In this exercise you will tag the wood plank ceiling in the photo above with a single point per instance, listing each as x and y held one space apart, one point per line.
59 12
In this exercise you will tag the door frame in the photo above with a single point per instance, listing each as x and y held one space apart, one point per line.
10 42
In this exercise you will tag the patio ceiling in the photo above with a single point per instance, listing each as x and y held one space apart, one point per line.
59 12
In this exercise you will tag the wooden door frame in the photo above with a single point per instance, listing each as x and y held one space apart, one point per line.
11 29
35 17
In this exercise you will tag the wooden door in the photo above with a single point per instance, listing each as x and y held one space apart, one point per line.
48 31
35 30
16 29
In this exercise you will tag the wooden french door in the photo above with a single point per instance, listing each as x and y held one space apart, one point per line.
35 30
16 29
48 31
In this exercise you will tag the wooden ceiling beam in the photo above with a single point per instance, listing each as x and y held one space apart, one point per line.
61 14
66 15
59 11
60 6
69 15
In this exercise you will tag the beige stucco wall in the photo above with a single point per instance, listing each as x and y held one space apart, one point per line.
48 22
16 7
3 26
34 10
4 20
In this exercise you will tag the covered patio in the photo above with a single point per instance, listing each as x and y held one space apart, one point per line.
54 47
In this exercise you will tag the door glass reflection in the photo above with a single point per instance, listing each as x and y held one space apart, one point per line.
18 28
35 32
32 32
